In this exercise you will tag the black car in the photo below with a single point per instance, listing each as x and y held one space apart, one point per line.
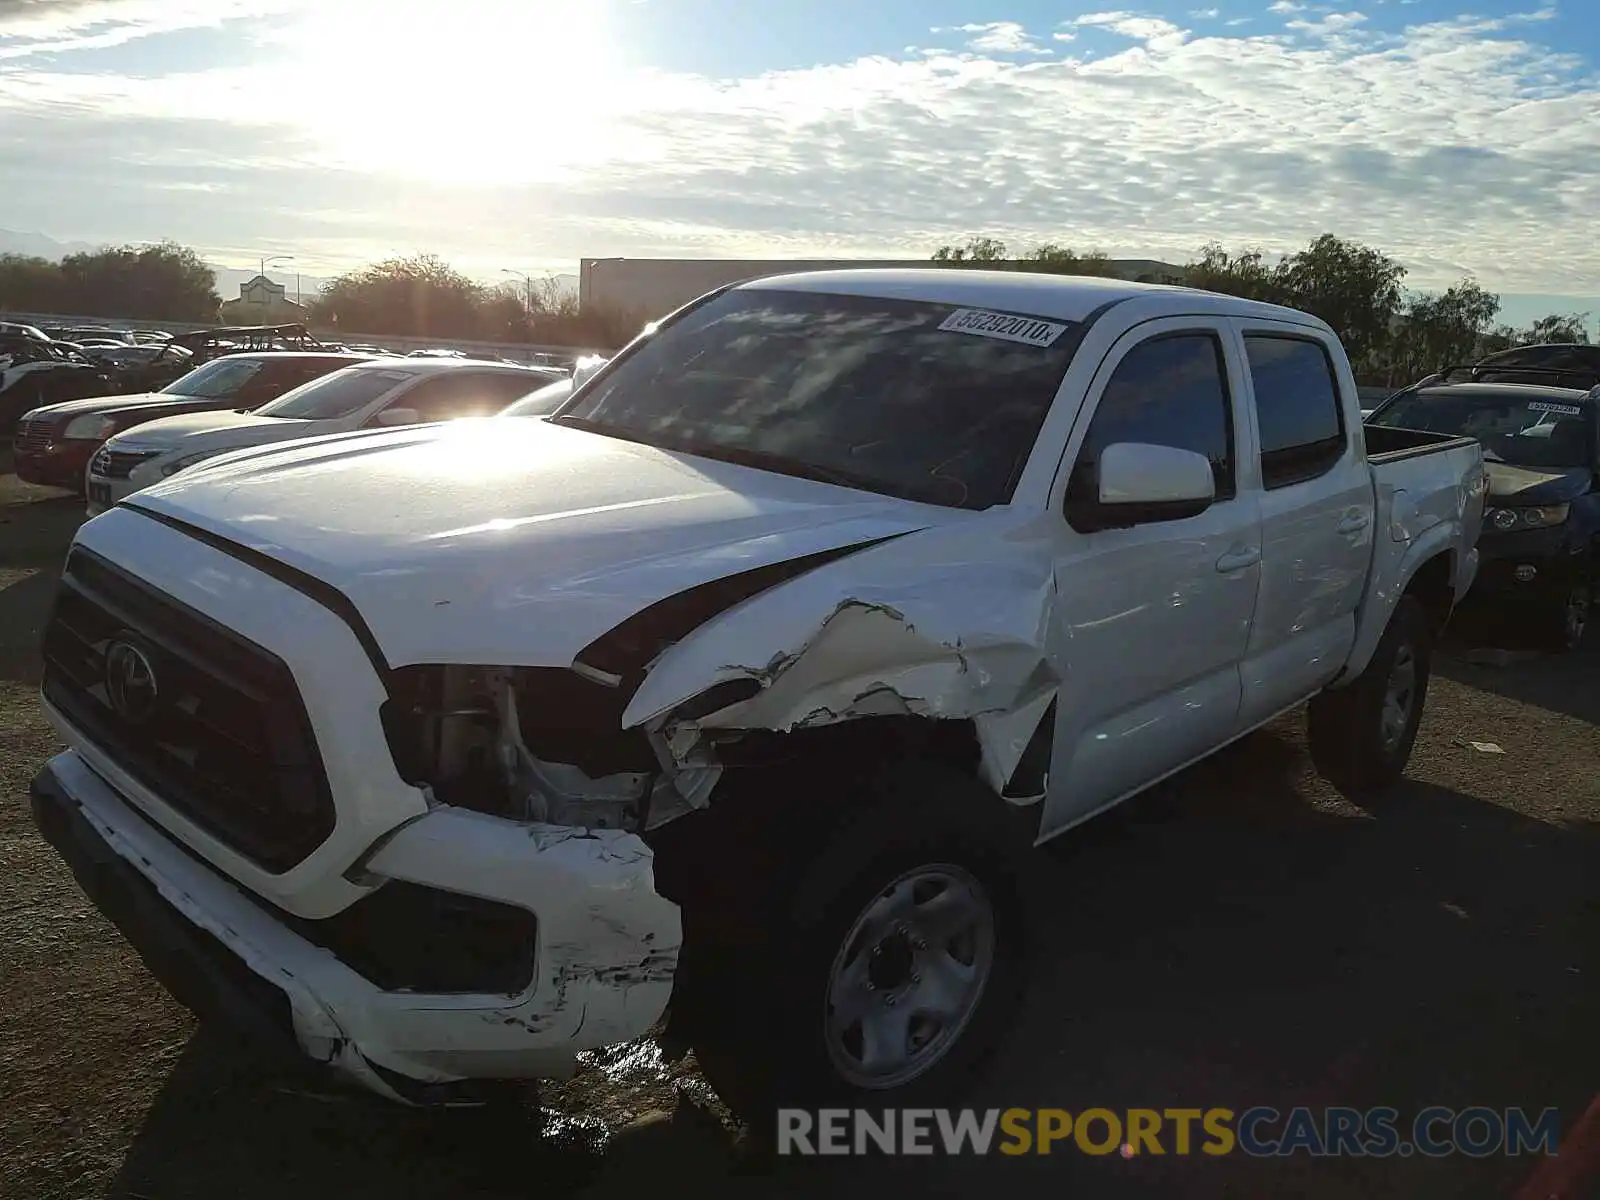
1540 548
34 373
1570 364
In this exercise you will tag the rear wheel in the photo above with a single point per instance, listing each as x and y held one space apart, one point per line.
1361 735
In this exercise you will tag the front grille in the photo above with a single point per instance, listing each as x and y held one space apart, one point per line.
214 725
31 437
118 464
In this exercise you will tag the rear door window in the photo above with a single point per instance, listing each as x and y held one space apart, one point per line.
1298 411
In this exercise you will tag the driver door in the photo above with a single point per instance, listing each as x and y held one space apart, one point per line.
1152 622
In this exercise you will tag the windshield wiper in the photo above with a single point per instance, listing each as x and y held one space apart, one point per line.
589 425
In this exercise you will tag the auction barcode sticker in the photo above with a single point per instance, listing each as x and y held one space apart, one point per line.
1568 410
1028 330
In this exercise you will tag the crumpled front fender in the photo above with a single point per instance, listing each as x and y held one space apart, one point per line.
915 627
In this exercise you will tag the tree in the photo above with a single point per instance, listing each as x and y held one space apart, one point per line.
1060 260
1438 330
1245 274
977 250
422 296
164 281
1352 287
1557 327
31 285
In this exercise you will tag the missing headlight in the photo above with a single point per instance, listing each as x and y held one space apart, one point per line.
523 743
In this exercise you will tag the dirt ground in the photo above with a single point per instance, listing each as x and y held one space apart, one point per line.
1238 936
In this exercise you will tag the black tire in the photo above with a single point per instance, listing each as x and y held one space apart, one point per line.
1562 630
765 1046
1346 726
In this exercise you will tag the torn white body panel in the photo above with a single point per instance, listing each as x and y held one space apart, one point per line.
904 628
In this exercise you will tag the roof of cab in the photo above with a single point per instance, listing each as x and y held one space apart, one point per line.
1062 297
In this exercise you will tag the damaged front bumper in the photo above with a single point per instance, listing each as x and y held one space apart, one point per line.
603 963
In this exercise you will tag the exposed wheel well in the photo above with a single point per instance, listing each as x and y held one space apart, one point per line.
782 792
1434 586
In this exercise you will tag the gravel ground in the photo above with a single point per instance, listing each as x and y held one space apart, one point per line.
1238 936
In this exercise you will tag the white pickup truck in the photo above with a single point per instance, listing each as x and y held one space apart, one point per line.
745 681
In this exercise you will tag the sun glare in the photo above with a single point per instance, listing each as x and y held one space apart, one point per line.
474 91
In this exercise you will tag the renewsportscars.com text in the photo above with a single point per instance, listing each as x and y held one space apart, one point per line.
1262 1132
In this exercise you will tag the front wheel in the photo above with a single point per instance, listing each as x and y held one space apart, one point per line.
897 963
1361 735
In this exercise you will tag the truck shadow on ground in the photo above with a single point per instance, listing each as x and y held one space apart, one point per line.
1235 937
1565 683
25 597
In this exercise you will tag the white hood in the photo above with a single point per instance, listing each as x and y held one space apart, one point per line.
194 432
514 542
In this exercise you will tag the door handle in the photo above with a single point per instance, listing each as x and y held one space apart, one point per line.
1355 522
1238 559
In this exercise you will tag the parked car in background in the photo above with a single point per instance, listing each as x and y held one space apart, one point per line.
542 402
748 680
18 329
179 354
1575 364
1540 549
151 336
141 355
91 333
376 394
34 372
206 344
54 444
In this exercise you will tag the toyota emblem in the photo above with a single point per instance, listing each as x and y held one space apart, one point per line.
130 682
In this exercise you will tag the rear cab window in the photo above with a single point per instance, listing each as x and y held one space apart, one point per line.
1299 412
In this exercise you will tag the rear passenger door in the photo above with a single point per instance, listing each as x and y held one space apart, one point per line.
1317 513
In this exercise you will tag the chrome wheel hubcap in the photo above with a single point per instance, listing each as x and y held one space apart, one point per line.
1398 698
908 977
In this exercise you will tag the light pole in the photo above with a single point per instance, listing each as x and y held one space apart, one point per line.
274 258
527 287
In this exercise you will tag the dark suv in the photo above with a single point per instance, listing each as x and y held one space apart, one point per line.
1540 431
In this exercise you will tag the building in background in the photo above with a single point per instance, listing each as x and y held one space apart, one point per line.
648 288
262 302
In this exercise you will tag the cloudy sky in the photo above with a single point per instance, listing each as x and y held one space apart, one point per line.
528 133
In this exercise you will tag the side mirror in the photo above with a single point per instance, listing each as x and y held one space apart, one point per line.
1139 484
398 416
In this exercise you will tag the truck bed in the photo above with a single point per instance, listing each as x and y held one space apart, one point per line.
1386 444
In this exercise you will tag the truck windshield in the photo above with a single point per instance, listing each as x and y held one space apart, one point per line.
1525 429
334 396
928 402
216 380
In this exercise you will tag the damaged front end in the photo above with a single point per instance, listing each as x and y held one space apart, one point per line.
747 670
542 746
